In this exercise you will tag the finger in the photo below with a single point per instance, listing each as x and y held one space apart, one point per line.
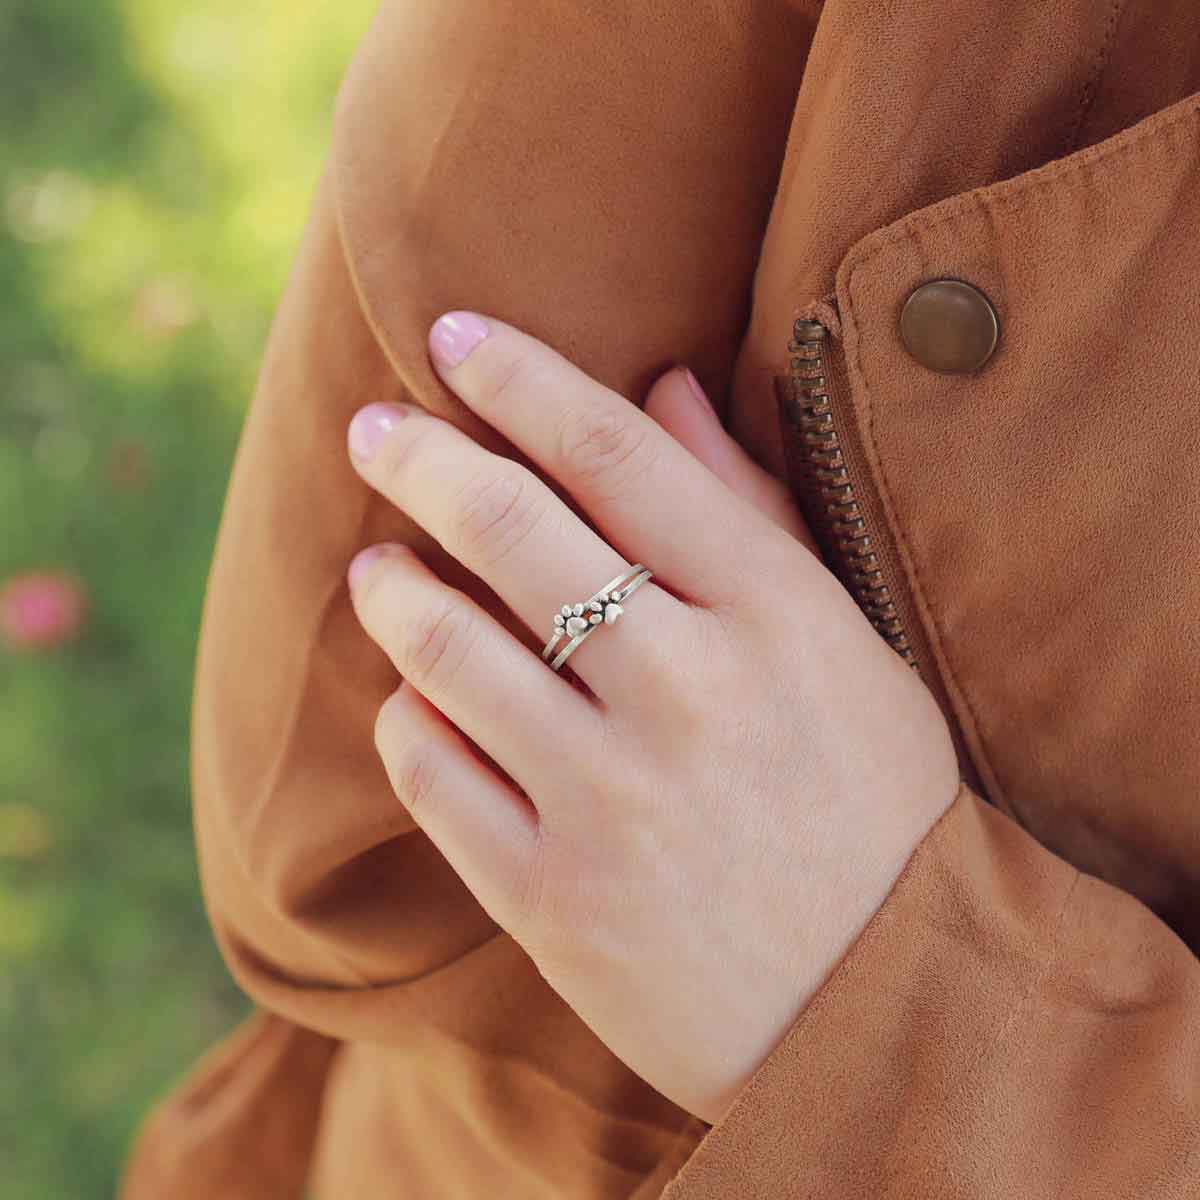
467 664
487 831
506 526
645 493
678 403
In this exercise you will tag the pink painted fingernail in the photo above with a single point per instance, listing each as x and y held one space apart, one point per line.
370 426
697 390
454 335
362 562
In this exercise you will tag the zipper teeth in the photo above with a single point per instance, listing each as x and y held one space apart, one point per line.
831 505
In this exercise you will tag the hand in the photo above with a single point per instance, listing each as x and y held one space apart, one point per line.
687 848
678 403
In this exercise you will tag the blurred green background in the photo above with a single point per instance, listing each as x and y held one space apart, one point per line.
156 165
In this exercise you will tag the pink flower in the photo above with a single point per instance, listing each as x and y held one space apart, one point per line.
41 609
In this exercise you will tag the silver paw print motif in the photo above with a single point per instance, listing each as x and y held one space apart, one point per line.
574 619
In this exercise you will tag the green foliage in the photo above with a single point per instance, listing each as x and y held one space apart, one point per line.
156 164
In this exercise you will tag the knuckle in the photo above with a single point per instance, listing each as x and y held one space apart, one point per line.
516 377
389 721
411 762
604 446
369 597
542 915
495 514
415 774
438 643
530 894
399 453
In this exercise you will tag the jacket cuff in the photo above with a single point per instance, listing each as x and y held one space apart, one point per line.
864 1083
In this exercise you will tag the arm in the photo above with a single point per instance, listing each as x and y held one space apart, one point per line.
472 159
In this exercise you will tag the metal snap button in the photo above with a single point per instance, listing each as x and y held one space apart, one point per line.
949 326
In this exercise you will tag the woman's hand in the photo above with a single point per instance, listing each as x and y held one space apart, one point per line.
678 403
692 845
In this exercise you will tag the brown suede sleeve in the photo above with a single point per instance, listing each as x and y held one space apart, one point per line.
473 166
1006 1027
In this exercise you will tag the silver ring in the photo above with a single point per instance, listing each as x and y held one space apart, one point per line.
577 622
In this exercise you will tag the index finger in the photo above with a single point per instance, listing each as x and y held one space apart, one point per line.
650 498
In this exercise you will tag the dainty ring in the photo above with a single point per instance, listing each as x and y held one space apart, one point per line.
578 622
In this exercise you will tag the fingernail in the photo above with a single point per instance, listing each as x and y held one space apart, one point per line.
454 335
362 562
697 390
370 426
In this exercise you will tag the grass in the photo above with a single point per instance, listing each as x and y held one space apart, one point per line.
156 164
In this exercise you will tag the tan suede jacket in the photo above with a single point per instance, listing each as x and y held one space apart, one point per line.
756 188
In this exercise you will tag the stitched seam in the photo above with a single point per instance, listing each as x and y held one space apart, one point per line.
1009 191
1030 189
1103 55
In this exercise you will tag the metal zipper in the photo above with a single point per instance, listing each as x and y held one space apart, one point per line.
832 483
827 494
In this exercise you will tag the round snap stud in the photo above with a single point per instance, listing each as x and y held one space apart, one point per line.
949 326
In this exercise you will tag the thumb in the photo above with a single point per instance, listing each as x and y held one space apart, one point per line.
678 403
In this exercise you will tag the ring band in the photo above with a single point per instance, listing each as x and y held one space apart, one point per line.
577 622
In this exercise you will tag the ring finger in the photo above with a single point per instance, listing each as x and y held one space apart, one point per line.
504 524
486 830
466 663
